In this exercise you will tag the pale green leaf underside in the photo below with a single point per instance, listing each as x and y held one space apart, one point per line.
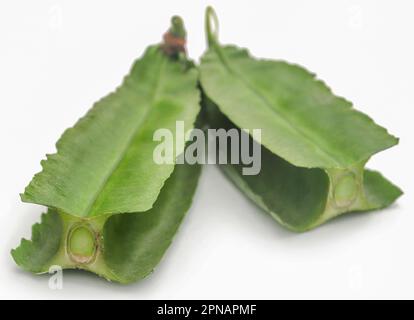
132 244
104 164
301 120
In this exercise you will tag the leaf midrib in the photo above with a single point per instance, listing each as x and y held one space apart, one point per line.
154 98
308 138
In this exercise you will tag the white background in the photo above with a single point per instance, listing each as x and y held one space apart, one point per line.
58 57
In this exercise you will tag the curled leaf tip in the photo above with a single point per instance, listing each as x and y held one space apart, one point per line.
175 37
212 26
177 27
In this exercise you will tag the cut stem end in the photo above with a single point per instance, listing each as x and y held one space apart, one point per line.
82 244
345 190
175 38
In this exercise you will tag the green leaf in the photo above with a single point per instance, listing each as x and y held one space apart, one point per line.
299 198
129 245
301 120
34 255
379 191
135 243
112 209
315 144
104 164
